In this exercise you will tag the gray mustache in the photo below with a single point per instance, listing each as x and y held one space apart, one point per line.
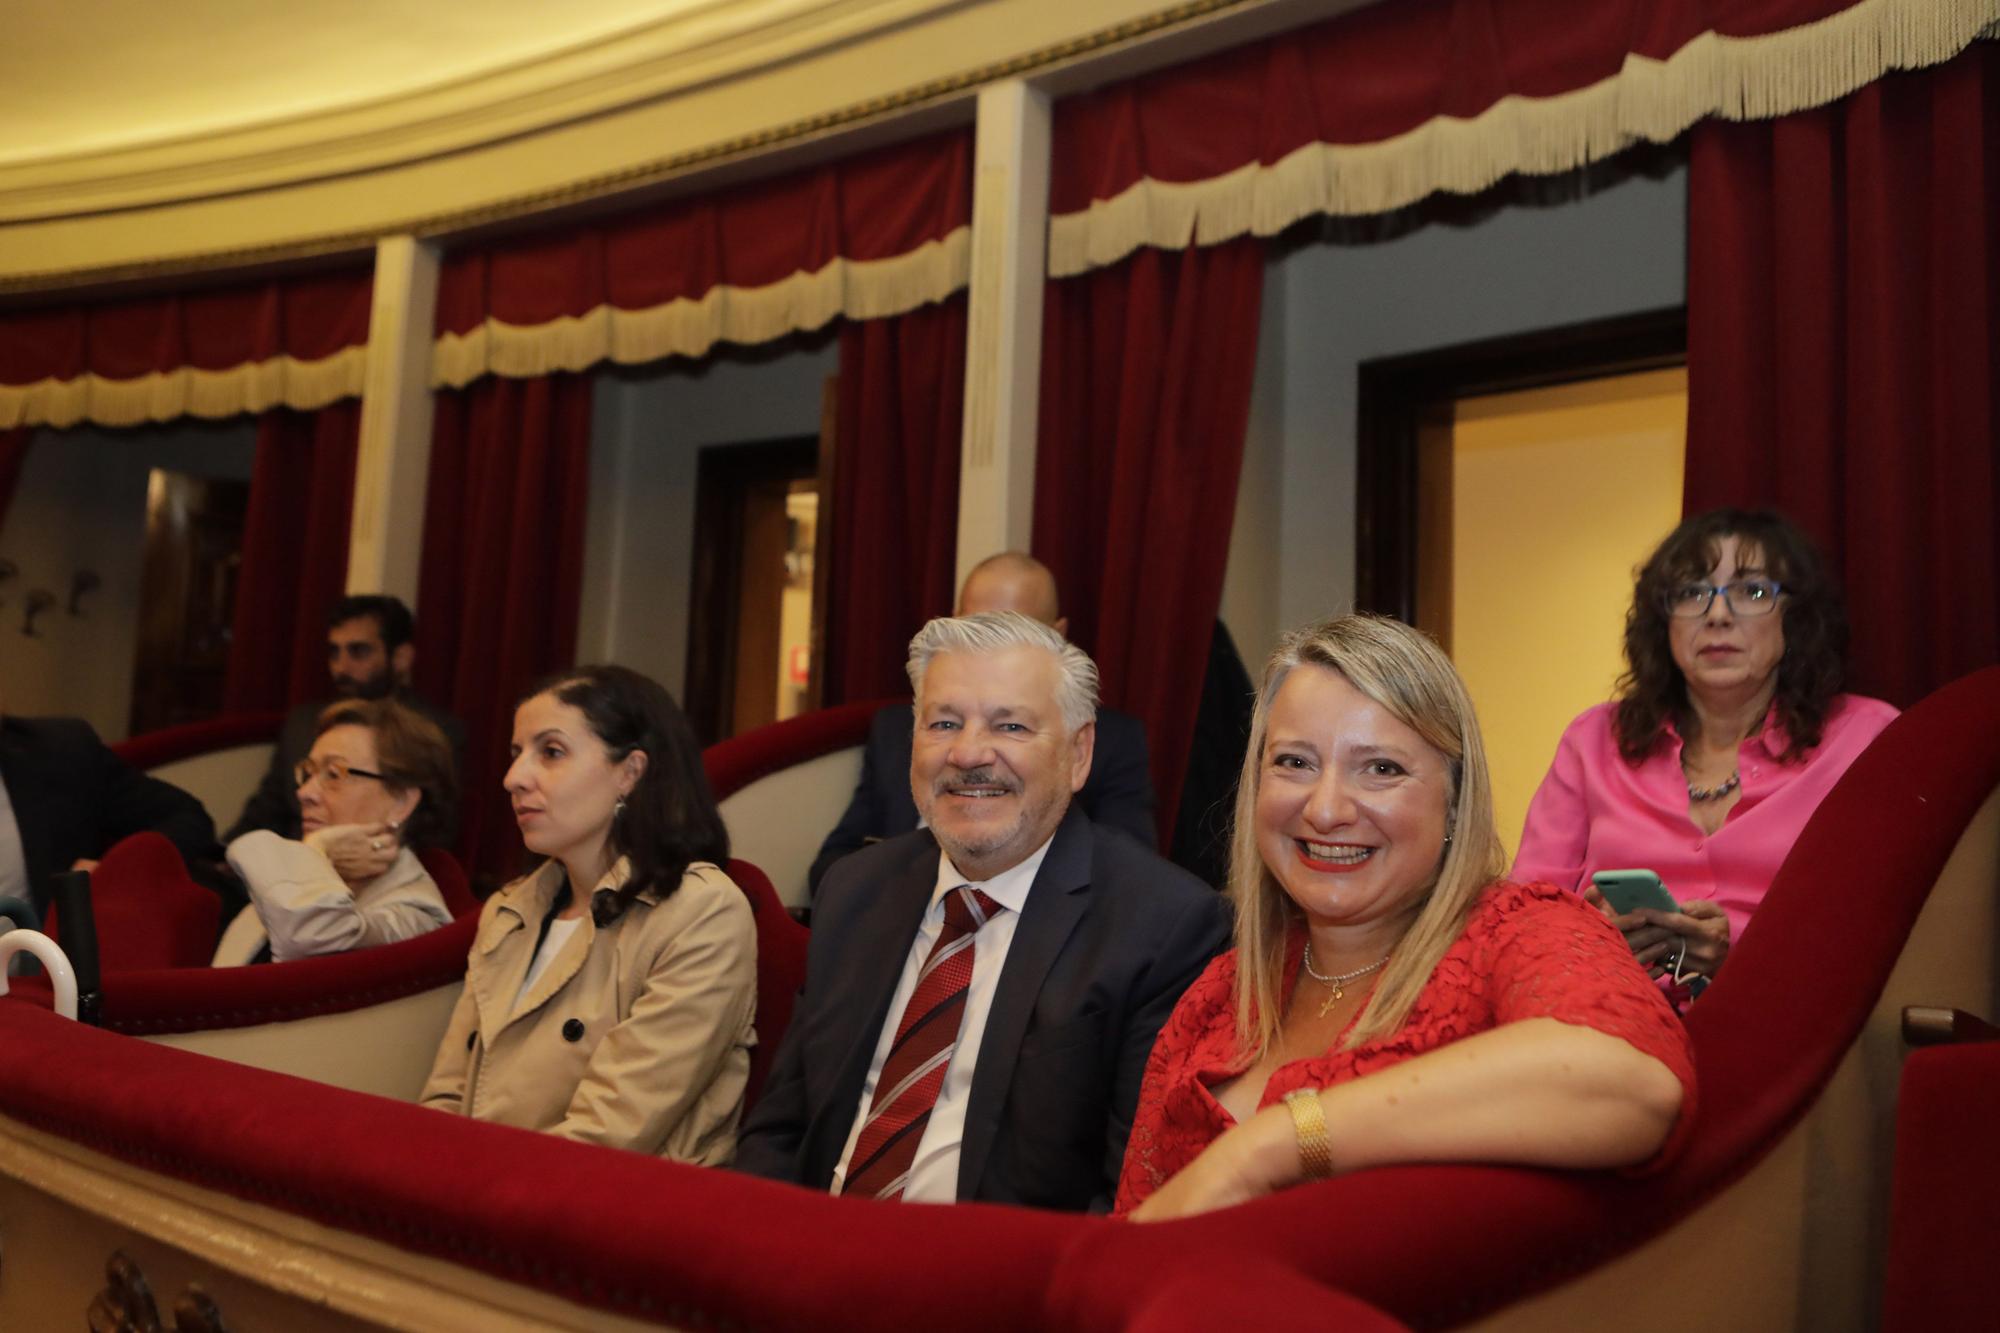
974 777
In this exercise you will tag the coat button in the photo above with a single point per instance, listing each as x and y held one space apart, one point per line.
573 1030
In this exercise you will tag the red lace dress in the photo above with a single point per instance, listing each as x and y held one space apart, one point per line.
1529 951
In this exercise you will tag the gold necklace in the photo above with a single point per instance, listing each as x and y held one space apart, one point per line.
1336 982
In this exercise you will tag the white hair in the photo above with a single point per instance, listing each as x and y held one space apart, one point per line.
995 631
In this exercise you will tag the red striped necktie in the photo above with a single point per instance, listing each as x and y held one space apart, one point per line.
907 1088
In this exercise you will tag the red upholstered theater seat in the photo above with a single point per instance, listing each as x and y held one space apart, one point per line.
1774 1216
781 970
169 745
149 913
451 880
784 786
1763 1223
1944 1236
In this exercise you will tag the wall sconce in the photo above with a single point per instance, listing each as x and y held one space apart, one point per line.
84 581
39 600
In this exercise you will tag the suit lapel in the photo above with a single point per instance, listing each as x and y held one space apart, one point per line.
873 954
1056 903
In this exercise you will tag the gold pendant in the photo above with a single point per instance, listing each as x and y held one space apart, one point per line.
1332 1000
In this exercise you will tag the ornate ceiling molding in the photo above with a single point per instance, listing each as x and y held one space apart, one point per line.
704 46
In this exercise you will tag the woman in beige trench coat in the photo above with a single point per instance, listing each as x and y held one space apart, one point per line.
609 994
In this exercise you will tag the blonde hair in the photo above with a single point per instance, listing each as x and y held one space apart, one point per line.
1409 675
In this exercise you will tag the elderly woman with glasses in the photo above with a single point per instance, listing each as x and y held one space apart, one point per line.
377 784
1729 730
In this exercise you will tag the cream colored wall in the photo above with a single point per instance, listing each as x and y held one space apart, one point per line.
1560 494
648 427
1329 307
81 504
703 88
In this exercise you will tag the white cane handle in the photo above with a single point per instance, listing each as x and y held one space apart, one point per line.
61 975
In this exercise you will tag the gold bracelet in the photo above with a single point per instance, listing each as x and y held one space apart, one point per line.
1309 1124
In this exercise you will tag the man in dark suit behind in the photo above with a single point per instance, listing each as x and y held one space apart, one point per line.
1080 943
68 798
1118 794
370 648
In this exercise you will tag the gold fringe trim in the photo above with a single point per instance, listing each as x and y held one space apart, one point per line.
1738 78
690 326
255 386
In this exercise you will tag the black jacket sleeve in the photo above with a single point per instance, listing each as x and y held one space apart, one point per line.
1119 792
867 817
275 803
126 801
1198 934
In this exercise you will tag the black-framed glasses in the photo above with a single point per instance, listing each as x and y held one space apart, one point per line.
1744 597
331 773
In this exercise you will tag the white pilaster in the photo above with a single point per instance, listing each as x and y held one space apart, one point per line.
390 474
1010 223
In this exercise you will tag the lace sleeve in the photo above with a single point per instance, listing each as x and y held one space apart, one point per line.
1550 955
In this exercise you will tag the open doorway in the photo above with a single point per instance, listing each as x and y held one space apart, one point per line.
187 596
752 612
1530 480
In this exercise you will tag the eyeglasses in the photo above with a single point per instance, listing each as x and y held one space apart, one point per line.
1745 597
331 773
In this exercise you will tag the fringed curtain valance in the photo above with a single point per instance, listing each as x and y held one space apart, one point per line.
299 342
1381 107
864 238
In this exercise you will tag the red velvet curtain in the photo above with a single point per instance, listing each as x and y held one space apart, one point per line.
1146 377
1382 72
116 345
294 556
894 543
13 453
502 576
1844 353
891 204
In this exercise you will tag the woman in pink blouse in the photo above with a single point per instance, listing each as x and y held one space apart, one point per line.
1729 731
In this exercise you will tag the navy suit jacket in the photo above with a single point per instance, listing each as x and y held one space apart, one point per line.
73 798
1110 937
1117 794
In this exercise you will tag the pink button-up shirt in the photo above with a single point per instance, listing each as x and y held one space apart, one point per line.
1596 812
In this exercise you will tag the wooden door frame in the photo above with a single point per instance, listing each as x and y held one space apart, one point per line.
1393 393
716 580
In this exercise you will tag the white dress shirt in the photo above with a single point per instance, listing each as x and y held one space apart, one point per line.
934 1172
13 860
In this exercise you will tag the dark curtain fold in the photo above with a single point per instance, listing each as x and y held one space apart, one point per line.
893 554
1844 353
294 563
13 453
502 574
1146 377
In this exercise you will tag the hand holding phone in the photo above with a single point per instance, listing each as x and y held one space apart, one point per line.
1629 890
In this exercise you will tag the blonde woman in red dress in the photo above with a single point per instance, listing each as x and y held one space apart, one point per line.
1389 999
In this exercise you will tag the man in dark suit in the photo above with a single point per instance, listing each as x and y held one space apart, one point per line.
67 798
981 995
370 648
1118 794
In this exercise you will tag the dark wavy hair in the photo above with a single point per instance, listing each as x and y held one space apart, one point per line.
411 752
1652 691
670 819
